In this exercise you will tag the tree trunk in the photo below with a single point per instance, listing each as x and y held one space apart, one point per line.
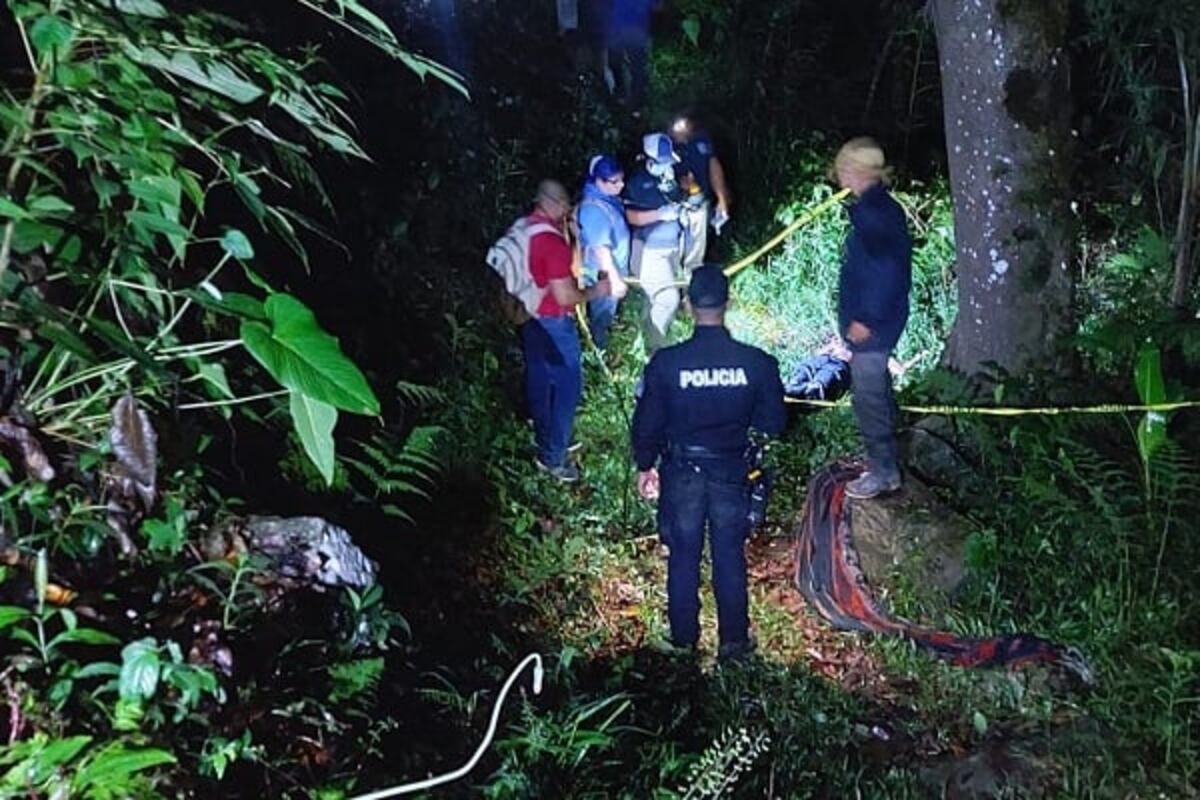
1006 95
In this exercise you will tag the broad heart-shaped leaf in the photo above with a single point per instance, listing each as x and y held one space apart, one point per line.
50 33
691 29
140 666
314 423
1148 375
306 359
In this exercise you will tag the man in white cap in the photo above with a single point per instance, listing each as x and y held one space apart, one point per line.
652 206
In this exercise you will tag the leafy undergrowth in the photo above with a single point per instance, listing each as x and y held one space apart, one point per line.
1066 528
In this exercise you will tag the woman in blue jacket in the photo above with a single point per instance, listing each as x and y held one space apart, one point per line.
604 239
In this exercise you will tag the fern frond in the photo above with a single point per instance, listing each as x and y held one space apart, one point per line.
416 394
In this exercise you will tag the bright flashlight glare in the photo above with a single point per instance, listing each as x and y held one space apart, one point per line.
680 125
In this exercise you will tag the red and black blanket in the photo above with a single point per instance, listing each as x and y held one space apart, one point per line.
829 577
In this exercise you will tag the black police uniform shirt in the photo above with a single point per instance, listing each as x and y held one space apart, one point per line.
706 392
694 157
643 192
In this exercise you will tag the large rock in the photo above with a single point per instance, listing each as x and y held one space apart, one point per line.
299 550
912 538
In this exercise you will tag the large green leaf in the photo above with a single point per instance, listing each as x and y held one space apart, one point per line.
216 76
156 223
1148 375
156 189
140 667
10 615
115 762
144 8
1152 430
314 423
306 359
51 33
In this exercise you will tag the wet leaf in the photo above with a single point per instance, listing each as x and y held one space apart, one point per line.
34 459
135 445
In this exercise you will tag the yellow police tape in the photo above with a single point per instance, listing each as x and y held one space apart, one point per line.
774 241
943 410
581 318
999 411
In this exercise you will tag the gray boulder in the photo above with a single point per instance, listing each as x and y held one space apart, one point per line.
911 538
308 550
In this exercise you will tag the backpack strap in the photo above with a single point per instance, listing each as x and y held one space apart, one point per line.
543 227
603 206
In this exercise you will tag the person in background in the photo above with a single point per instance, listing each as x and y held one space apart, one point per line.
873 289
628 41
553 358
605 241
652 208
582 27
701 398
568 17
703 176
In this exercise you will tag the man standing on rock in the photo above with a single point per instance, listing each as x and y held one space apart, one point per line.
873 292
701 398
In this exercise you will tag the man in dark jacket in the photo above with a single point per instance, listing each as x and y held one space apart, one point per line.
873 307
701 398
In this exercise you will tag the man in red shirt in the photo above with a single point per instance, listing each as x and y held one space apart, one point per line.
553 358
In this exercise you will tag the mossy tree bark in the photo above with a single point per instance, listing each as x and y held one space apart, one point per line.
1006 95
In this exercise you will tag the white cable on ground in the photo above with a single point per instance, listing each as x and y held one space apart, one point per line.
428 783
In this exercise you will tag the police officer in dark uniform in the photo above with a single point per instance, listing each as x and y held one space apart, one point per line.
700 399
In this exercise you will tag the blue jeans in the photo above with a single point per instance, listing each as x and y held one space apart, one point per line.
553 383
696 493
875 410
601 313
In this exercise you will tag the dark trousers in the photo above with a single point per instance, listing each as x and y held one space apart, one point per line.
629 57
695 494
553 383
601 313
875 410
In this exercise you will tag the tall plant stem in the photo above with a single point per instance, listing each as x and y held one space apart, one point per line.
18 139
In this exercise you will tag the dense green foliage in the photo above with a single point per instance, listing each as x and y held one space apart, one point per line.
140 147
181 336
